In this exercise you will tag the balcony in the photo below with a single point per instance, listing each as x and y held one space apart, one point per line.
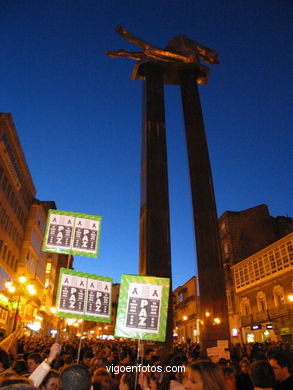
182 304
267 316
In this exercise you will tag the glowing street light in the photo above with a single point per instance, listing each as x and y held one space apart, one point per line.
19 288
22 279
53 310
217 321
11 289
8 284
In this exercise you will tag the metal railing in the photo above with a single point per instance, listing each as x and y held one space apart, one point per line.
267 315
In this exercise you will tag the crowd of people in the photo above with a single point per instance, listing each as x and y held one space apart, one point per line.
115 365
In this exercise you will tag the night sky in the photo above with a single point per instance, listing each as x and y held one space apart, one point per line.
78 113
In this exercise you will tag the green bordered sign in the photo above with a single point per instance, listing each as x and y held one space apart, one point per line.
142 307
72 233
84 295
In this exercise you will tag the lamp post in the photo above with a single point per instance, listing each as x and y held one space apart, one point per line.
19 288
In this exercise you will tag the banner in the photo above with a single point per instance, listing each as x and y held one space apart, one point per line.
72 233
84 295
142 307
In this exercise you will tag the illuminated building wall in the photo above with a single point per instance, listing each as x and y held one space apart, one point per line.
185 311
264 292
16 195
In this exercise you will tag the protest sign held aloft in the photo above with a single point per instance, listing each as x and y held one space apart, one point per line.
72 233
142 307
84 295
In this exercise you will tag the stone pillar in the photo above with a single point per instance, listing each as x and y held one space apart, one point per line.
210 271
154 250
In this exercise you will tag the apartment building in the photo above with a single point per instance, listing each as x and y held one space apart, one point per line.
264 293
17 191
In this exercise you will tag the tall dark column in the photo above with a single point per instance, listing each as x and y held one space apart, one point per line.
210 272
155 251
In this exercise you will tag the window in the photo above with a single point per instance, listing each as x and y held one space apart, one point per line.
245 307
4 183
15 264
226 249
48 267
12 261
223 227
8 191
261 301
12 198
4 251
278 293
181 297
2 216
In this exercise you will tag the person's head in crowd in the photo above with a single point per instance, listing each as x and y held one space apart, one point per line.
230 377
33 361
205 375
87 358
75 377
125 357
4 360
20 367
223 362
148 354
8 380
59 363
236 366
102 362
244 366
67 360
281 365
262 374
19 386
96 386
103 378
127 381
51 381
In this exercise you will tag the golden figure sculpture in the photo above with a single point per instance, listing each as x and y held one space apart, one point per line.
180 49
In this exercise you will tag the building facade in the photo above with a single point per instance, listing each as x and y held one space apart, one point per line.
242 234
185 312
264 293
22 226
16 196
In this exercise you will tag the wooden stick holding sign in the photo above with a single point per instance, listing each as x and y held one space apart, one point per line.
79 345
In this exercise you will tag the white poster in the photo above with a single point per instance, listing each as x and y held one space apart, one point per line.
143 307
72 294
60 231
98 298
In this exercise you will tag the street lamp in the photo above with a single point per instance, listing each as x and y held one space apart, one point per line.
19 288
53 310
185 330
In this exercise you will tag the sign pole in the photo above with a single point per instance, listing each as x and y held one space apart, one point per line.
68 261
79 345
58 330
137 361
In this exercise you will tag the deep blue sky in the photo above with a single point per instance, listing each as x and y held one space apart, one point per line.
78 113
